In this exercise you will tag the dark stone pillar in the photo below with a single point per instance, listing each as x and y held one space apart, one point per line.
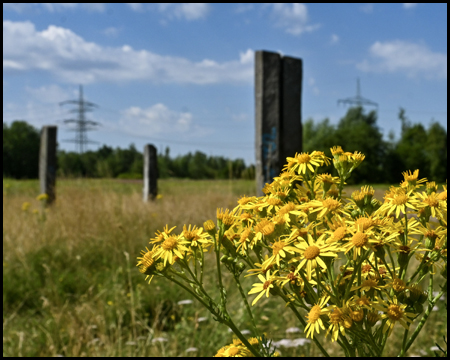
47 162
150 173
277 113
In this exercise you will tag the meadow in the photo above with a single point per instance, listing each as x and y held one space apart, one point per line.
71 286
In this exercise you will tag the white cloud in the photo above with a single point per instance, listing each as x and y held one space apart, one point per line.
135 6
293 17
247 57
409 5
111 31
367 8
63 53
157 119
55 7
334 39
405 57
187 11
51 94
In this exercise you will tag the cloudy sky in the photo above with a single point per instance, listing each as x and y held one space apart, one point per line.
181 75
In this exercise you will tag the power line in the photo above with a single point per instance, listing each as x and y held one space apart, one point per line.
82 125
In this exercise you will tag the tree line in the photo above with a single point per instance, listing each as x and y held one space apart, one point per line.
417 148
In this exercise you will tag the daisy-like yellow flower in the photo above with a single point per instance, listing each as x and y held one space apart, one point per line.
245 238
311 252
396 201
279 250
287 211
264 227
363 197
325 206
303 162
362 302
25 206
411 179
336 323
161 236
263 287
314 322
337 230
443 195
225 217
271 203
368 284
359 241
259 268
234 350
431 204
172 246
393 312
195 236
42 197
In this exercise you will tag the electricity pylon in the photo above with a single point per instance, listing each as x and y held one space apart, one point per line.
82 125
358 100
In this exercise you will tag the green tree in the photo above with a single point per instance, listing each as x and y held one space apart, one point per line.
411 148
21 143
358 131
436 152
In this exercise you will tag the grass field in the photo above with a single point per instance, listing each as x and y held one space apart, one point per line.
71 287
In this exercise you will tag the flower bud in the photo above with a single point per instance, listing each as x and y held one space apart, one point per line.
372 318
418 308
357 315
347 322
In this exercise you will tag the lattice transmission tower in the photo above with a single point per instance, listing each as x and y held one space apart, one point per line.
82 125
357 100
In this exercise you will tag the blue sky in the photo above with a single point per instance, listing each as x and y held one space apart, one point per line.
182 75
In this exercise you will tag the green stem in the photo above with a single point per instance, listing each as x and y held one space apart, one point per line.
331 279
375 267
195 262
392 263
356 269
241 337
302 321
186 264
202 265
219 272
310 289
349 347
247 306
405 336
341 275
227 322
318 281
191 292
431 303
405 238
418 269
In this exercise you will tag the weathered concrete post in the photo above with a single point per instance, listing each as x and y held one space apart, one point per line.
150 173
278 86
47 162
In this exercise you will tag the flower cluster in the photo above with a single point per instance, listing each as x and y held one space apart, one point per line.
340 260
